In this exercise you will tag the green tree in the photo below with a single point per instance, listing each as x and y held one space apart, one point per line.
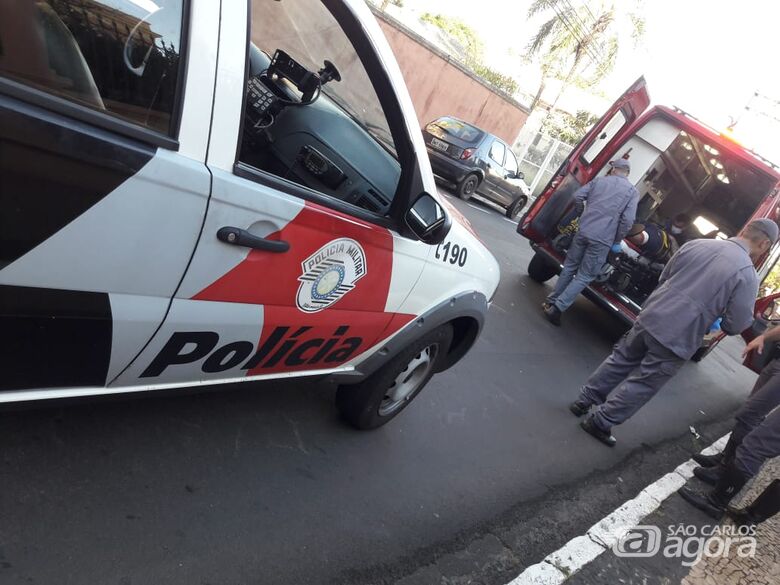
473 48
579 43
567 128
459 31
771 283
386 3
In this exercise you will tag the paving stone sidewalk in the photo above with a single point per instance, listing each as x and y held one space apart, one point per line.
735 566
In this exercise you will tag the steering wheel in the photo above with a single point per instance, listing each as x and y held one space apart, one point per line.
130 45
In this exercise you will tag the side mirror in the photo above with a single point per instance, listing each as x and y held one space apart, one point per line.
520 175
427 220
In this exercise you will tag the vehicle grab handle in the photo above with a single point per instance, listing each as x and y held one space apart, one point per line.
238 237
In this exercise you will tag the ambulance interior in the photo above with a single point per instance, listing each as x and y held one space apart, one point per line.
676 172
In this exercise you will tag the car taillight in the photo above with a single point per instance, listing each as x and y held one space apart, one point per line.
467 152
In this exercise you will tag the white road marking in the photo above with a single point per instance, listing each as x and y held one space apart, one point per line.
477 208
512 221
581 550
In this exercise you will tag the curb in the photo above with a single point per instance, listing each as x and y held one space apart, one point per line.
558 566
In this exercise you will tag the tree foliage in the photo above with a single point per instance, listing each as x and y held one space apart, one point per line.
385 3
567 128
473 48
503 82
459 31
771 283
579 41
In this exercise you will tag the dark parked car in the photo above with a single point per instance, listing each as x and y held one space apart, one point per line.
477 162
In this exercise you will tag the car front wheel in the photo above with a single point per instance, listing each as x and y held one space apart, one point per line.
385 393
514 210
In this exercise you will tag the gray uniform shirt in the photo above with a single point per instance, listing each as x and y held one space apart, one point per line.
610 210
704 280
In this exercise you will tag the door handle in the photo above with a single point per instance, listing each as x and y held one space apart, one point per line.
238 237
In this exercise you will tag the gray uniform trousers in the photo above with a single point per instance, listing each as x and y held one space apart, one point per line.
760 444
757 432
638 367
584 261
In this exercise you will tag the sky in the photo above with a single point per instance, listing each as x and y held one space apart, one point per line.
706 57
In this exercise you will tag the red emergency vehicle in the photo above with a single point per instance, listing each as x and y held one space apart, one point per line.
679 165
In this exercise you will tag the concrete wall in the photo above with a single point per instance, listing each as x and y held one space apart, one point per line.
441 87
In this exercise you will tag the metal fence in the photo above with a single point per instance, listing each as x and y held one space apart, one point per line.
540 158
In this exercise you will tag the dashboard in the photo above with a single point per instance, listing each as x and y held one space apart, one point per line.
304 136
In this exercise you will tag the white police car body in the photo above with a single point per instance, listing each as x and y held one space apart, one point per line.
199 192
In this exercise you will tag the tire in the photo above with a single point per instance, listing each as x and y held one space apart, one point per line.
513 211
369 404
468 186
539 269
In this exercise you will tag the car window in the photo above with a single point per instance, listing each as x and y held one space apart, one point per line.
497 152
459 129
331 137
120 57
511 163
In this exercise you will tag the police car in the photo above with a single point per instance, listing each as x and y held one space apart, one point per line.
198 192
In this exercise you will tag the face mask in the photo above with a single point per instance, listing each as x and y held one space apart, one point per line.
676 230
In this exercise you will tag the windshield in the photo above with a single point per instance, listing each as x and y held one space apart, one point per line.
310 34
459 129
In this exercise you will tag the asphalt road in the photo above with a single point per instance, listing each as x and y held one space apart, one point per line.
485 473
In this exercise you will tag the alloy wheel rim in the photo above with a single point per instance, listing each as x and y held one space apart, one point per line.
408 381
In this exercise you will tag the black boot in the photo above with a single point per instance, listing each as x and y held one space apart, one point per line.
709 475
553 315
714 503
589 426
579 408
718 458
708 460
766 505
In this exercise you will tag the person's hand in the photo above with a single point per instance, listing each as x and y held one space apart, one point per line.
716 325
756 345
617 248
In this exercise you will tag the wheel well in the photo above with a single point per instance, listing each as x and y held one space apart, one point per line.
473 173
465 331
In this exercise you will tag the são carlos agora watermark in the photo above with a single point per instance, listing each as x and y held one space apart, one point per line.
687 542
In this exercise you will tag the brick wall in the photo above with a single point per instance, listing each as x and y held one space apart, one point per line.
440 86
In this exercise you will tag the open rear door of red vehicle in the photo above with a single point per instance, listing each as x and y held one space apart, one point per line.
584 162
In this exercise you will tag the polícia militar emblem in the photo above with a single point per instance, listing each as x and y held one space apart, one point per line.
329 274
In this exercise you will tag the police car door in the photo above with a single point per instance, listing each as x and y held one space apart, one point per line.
101 196
300 267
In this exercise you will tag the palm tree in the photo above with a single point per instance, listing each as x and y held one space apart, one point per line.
580 43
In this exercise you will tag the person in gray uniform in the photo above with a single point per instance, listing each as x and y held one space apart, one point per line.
763 399
760 437
705 283
610 209
758 446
